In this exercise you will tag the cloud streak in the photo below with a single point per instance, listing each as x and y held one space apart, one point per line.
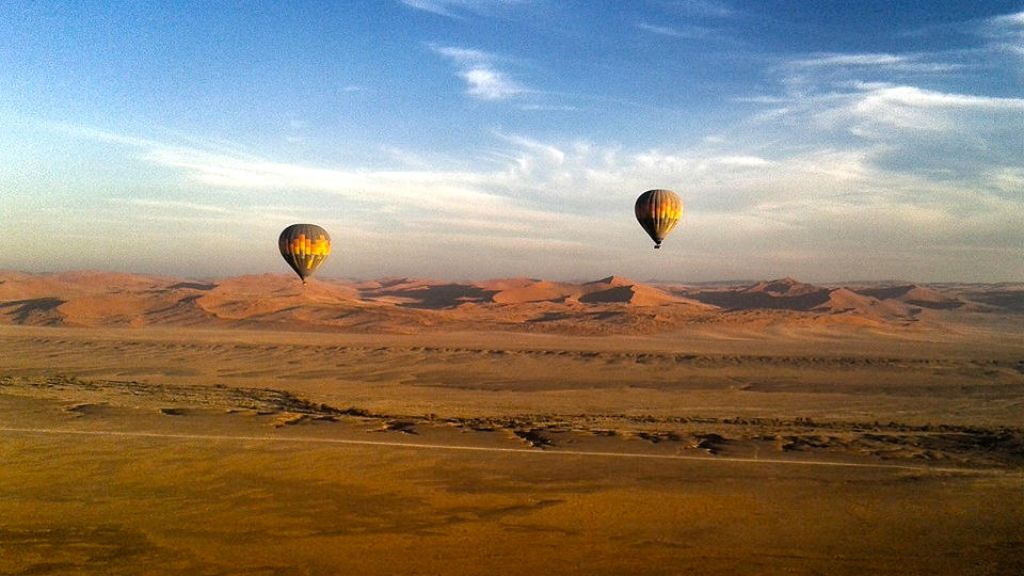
892 62
1006 34
686 33
705 8
484 81
455 8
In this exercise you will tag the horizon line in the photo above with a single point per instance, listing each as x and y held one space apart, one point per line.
654 281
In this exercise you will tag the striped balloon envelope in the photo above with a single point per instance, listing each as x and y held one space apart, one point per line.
304 247
658 211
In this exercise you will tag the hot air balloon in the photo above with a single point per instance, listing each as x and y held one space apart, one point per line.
658 211
304 247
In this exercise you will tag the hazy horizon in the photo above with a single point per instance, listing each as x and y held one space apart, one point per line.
737 281
475 139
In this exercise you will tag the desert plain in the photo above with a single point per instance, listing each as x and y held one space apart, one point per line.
248 425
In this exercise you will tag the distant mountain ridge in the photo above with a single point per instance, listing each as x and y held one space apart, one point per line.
610 305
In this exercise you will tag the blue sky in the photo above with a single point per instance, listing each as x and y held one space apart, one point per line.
469 139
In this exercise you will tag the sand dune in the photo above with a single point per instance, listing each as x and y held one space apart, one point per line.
612 305
914 295
846 301
523 291
787 286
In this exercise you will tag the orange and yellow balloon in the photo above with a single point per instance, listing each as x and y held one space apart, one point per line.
658 211
304 247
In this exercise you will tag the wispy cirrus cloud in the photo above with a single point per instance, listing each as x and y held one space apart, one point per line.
891 62
682 32
956 128
868 149
535 149
874 110
487 83
531 199
549 108
484 81
439 7
175 205
913 97
456 8
868 92
464 56
705 8
1006 33
1007 25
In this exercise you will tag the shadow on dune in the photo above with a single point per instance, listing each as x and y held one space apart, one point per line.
193 286
913 295
34 311
747 300
1008 300
441 296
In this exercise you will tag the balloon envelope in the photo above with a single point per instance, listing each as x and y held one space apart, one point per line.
658 211
304 247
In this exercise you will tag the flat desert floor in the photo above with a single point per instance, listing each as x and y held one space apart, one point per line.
188 451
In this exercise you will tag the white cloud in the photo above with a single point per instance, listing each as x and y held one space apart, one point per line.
537 200
440 7
919 98
1008 23
875 111
895 62
173 205
869 95
1006 179
487 83
1006 34
453 8
889 166
483 80
687 32
549 108
552 154
850 60
706 8
464 56
741 161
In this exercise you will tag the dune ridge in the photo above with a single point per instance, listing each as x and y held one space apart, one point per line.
611 305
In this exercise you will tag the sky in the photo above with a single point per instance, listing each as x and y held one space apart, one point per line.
474 139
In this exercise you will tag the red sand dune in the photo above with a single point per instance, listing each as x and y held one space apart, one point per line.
785 287
609 305
536 291
784 294
913 294
846 301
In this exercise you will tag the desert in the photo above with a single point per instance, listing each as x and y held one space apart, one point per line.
248 425
512 288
